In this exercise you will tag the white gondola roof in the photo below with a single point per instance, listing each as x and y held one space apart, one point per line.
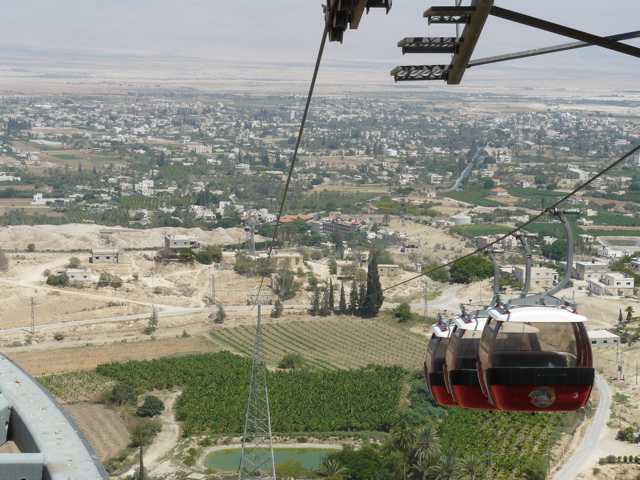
533 314
470 323
441 330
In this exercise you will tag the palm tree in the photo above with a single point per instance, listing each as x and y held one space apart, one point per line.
449 467
470 467
427 443
423 469
403 438
331 470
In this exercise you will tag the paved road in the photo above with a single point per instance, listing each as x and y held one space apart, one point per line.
466 171
585 456
448 300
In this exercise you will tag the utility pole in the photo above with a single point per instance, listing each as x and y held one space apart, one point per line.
426 298
33 315
213 289
256 461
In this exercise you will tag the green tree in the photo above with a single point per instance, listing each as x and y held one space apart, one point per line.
362 295
342 305
186 255
471 269
449 467
153 323
315 302
121 394
109 280
471 467
141 435
151 407
427 445
74 262
285 284
331 470
629 311
555 251
374 298
31 247
204 257
291 468
403 312
353 298
276 312
423 469
220 315
331 296
244 265
291 361
536 469
58 280
324 303
403 438
438 275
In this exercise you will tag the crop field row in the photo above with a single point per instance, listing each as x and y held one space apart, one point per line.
82 386
333 343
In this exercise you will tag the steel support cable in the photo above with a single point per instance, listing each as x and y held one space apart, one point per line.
530 221
295 150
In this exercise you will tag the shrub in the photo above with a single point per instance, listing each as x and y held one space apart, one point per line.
58 280
151 407
291 360
74 262
58 336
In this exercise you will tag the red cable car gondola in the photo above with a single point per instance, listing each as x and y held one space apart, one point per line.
536 358
461 363
434 364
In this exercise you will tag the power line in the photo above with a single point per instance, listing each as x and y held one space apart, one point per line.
537 217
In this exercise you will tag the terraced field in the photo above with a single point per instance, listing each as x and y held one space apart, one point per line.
331 343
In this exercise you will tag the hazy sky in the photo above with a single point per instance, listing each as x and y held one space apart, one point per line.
284 35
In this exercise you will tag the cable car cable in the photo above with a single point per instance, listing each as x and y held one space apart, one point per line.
295 151
521 227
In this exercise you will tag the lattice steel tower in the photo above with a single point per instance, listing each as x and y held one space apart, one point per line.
257 460
249 242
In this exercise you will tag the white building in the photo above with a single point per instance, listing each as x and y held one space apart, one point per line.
612 284
603 338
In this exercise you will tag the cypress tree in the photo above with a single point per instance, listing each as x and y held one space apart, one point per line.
353 298
362 298
373 298
342 306
331 296
324 304
315 303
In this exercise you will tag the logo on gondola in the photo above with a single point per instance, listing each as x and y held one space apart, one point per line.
542 397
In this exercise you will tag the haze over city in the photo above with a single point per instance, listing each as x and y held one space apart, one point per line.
248 41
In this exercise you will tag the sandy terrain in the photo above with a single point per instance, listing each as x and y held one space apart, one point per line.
81 236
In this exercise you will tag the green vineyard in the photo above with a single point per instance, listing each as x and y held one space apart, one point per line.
332 343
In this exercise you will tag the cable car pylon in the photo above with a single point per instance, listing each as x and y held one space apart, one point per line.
257 461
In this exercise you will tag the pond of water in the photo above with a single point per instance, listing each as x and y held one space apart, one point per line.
229 459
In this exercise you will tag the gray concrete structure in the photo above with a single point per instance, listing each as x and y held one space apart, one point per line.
51 446
603 338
